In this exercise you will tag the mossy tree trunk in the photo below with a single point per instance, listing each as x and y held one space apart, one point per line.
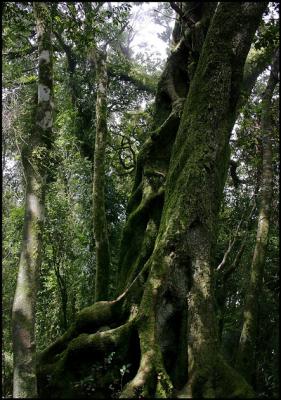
194 186
35 155
146 202
99 215
163 322
245 361
98 54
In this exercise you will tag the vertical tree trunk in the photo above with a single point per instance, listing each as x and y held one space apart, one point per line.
222 275
35 158
247 345
99 215
146 202
181 260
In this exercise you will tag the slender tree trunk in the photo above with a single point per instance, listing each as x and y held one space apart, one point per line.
63 297
35 158
99 215
222 275
247 344
102 248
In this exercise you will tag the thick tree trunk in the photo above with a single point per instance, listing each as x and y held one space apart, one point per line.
35 158
146 202
247 345
99 215
194 187
163 323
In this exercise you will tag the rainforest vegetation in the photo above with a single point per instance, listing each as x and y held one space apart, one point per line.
140 213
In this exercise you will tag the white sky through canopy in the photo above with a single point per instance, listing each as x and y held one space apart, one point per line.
147 30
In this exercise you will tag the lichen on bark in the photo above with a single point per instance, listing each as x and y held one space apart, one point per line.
35 158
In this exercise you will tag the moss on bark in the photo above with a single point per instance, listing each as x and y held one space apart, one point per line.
99 215
173 284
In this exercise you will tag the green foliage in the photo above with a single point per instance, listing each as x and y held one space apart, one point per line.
68 263
268 32
246 149
163 15
66 282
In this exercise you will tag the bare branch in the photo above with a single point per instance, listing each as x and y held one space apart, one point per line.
232 240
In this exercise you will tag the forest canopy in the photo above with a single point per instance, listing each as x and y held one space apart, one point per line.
140 207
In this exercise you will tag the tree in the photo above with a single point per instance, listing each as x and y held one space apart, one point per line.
97 55
100 226
164 314
35 161
248 338
237 237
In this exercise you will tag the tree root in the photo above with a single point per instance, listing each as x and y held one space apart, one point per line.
218 381
151 379
89 320
82 351
129 327
88 355
140 384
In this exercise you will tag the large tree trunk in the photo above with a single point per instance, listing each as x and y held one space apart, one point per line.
247 345
146 202
35 160
163 322
180 262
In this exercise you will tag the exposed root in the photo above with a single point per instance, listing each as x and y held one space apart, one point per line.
102 315
218 381
89 320
151 379
99 342
82 354
130 327
141 383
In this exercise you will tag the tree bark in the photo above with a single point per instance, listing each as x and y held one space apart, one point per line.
165 303
99 215
35 162
146 202
247 344
194 188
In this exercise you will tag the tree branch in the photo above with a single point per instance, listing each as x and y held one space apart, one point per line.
11 55
232 240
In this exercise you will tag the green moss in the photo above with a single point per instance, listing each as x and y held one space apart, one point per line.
146 202
164 387
139 235
88 355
